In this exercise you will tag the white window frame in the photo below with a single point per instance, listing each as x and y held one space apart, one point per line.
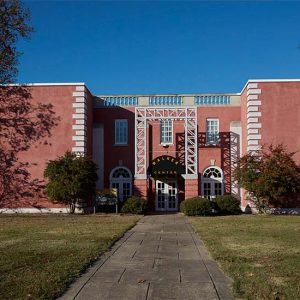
120 180
119 140
212 180
212 130
166 131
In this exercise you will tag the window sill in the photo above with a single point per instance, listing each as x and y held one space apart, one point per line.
166 144
120 145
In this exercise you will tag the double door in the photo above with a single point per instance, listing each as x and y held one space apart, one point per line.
166 195
211 189
123 188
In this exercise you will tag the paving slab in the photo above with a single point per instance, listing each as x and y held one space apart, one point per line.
204 291
160 258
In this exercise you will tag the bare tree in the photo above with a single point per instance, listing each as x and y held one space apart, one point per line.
22 123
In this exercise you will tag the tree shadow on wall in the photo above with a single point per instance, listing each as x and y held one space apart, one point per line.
22 124
224 144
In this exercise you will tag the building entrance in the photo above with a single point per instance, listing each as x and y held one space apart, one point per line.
166 195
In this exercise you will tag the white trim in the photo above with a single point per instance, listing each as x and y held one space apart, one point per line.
80 122
254 92
80 88
79 144
188 114
78 138
251 131
254 125
254 103
254 137
78 149
211 181
80 99
79 105
252 120
78 116
119 167
253 114
165 194
163 135
267 80
252 97
78 94
120 181
252 86
253 148
80 110
80 132
253 142
79 127
252 108
206 131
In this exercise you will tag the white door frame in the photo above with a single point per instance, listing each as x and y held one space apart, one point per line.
211 179
167 188
120 180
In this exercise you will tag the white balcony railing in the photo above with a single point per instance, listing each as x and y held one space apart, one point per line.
167 100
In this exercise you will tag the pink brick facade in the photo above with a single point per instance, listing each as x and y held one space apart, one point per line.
264 112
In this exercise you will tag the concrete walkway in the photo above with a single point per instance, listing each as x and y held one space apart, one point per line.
160 258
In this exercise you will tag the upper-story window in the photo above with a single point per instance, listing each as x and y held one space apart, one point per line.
121 132
166 131
212 131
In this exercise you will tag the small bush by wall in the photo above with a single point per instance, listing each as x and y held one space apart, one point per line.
134 205
228 205
197 207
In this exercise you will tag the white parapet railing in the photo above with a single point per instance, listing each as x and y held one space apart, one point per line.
167 100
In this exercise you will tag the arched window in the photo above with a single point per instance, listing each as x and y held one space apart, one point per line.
121 179
212 182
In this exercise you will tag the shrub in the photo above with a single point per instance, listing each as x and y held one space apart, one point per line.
228 205
134 205
70 178
196 207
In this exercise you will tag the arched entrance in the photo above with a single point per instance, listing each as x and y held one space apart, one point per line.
166 170
212 182
121 179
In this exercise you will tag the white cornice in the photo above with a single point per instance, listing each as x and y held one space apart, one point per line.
268 80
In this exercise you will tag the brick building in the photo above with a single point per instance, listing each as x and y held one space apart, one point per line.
166 147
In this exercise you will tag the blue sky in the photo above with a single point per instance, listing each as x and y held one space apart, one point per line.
161 47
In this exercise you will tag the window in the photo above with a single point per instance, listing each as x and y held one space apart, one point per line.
121 179
212 182
212 131
121 132
166 131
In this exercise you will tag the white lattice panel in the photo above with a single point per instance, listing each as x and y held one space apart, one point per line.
188 114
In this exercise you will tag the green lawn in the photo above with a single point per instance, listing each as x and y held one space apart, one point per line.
260 253
40 255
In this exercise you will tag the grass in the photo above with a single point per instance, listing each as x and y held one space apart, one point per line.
260 253
41 255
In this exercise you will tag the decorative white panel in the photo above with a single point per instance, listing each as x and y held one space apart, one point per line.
254 115
186 114
80 118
